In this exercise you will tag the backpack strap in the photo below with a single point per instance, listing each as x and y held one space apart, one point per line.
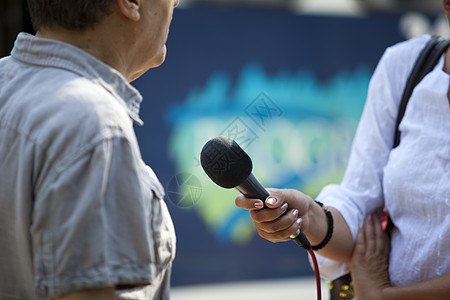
428 58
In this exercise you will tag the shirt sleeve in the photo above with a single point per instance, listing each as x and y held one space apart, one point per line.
92 222
361 190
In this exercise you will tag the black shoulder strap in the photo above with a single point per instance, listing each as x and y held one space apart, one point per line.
428 58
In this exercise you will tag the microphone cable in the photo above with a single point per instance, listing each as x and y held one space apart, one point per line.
317 273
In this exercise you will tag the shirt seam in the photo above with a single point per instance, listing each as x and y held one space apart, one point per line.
58 165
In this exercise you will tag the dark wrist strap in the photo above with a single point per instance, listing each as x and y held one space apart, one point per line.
330 227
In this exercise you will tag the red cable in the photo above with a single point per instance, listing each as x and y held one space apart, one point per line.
316 270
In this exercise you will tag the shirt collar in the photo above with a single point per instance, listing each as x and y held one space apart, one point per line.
52 53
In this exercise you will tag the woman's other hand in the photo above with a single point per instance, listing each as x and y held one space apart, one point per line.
370 261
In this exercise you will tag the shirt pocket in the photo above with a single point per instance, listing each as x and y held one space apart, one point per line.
160 222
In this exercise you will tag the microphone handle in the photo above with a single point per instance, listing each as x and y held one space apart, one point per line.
251 188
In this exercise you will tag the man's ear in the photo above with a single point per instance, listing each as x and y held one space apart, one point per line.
130 9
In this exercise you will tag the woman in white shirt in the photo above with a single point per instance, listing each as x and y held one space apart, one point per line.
412 181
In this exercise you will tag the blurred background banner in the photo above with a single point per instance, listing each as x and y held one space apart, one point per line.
288 88
287 80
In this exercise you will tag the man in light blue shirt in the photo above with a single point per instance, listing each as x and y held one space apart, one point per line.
81 215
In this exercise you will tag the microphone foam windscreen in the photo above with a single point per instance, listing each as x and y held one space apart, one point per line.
225 162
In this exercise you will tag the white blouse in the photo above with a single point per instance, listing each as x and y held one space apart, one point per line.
412 180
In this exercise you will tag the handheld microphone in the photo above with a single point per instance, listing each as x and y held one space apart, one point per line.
228 166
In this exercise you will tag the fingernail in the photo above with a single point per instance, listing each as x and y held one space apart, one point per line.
299 221
259 205
369 217
361 225
271 201
284 206
295 213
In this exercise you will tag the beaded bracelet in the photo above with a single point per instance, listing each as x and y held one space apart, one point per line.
330 227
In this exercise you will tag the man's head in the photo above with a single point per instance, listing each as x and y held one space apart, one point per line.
128 35
68 14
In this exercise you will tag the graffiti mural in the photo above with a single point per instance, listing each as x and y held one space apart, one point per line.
297 130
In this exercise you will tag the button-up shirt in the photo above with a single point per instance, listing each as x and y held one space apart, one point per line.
79 208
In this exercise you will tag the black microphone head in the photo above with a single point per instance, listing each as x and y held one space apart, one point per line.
225 162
